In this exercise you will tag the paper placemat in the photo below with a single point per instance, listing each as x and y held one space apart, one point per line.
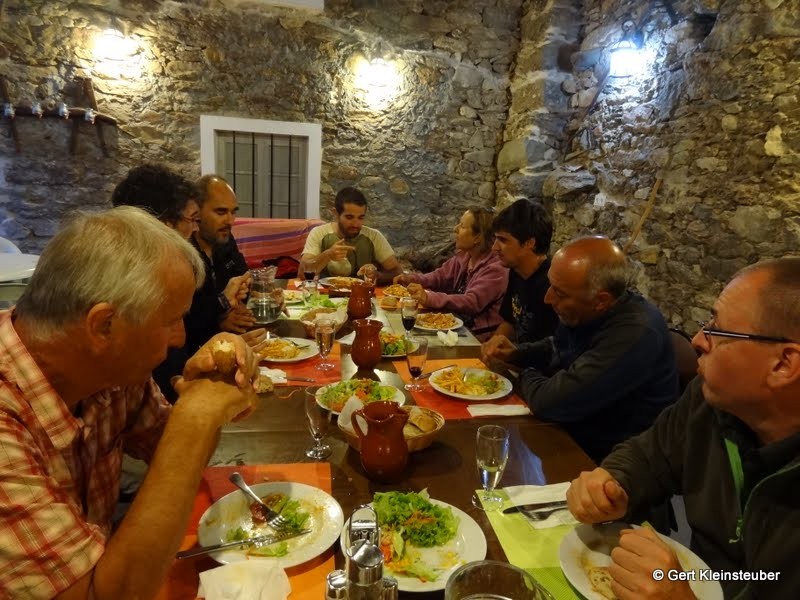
452 408
307 580
534 550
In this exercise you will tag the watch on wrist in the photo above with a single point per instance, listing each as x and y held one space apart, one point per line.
224 304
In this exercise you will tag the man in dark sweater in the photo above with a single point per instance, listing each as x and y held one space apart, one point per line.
730 446
609 370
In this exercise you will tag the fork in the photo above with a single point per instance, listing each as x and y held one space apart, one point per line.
541 515
274 520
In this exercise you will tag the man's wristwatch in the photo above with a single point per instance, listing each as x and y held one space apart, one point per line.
224 304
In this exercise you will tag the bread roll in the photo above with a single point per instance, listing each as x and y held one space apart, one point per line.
224 354
422 420
264 384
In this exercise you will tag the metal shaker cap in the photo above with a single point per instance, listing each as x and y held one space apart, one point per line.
390 589
364 563
336 585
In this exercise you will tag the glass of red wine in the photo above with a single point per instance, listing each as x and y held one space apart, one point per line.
408 313
416 355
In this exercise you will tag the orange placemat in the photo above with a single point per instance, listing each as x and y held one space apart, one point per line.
308 368
449 408
307 580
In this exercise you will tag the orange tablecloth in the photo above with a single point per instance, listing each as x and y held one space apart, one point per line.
449 408
308 368
307 580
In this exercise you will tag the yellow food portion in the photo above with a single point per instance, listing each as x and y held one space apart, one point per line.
278 349
343 282
482 384
397 290
436 320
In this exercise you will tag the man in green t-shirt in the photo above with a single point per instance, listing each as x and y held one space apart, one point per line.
346 246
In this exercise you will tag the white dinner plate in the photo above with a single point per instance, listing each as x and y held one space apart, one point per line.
401 355
328 282
457 324
468 545
505 386
307 349
292 296
233 510
398 397
589 546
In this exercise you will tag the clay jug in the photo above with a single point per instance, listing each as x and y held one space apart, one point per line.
359 306
366 350
384 451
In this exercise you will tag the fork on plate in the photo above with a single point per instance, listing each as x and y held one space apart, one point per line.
542 515
274 520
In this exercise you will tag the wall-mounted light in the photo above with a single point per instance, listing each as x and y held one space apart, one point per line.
628 57
377 81
117 56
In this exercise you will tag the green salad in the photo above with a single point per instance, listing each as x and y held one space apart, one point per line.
409 520
367 390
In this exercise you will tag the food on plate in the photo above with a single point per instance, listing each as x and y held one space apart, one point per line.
419 422
367 390
292 512
389 302
400 291
342 283
278 348
600 579
410 521
263 384
436 320
224 355
292 296
481 383
393 344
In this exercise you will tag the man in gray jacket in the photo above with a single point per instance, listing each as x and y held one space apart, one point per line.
730 445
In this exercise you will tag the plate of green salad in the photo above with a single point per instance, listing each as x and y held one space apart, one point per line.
335 396
423 540
231 519
393 344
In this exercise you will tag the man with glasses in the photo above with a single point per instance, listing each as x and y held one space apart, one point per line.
730 445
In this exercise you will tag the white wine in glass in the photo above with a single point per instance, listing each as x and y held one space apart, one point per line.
318 419
324 331
491 455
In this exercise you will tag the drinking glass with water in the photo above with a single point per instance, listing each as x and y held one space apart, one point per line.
318 418
491 455
493 580
324 331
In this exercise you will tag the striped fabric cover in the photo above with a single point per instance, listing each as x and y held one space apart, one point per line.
264 239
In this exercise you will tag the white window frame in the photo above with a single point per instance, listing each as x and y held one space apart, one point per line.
210 124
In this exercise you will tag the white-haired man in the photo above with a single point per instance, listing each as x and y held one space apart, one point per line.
730 445
106 301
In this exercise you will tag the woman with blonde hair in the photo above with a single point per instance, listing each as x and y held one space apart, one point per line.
471 283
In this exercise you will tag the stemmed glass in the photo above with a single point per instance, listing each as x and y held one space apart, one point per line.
318 419
491 455
324 330
416 355
408 313
309 283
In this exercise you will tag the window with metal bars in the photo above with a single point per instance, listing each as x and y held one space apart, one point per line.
267 171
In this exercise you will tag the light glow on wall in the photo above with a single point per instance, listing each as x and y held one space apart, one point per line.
629 61
117 56
377 81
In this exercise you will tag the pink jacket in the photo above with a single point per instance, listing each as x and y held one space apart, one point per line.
475 295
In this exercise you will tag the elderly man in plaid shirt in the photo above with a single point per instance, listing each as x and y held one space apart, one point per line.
106 301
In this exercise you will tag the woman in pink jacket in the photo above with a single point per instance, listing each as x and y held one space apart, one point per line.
471 283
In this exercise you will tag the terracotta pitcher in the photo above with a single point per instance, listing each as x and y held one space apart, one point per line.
359 306
366 351
384 451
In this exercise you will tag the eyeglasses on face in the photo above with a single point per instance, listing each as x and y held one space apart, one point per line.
709 331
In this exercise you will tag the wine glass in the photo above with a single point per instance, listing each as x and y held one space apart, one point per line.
318 418
408 313
309 269
324 330
416 354
491 454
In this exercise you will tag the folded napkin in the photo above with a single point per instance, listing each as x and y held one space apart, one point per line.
489 410
449 338
534 494
348 339
276 375
246 580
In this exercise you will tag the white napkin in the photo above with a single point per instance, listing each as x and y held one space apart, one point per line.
246 580
448 338
489 410
277 375
348 339
352 405
533 494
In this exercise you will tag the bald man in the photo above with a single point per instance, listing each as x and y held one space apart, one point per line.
610 369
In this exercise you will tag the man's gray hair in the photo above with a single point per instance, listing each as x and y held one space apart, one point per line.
778 310
115 256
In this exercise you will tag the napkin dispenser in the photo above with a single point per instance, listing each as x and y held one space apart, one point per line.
362 578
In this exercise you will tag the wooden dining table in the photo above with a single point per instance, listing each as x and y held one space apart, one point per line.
277 432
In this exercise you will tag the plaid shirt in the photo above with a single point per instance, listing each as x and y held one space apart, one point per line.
59 474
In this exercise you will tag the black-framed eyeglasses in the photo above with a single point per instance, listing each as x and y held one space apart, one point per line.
710 332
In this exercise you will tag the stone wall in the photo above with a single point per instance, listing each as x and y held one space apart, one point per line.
713 116
422 160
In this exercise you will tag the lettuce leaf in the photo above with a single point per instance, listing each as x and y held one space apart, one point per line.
423 523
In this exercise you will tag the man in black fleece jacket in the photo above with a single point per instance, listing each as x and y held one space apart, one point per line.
610 369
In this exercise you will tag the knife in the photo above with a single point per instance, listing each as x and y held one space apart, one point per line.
261 540
429 373
534 507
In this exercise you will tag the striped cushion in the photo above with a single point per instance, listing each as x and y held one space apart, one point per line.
265 239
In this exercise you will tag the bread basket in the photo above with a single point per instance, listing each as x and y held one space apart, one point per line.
307 319
415 442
